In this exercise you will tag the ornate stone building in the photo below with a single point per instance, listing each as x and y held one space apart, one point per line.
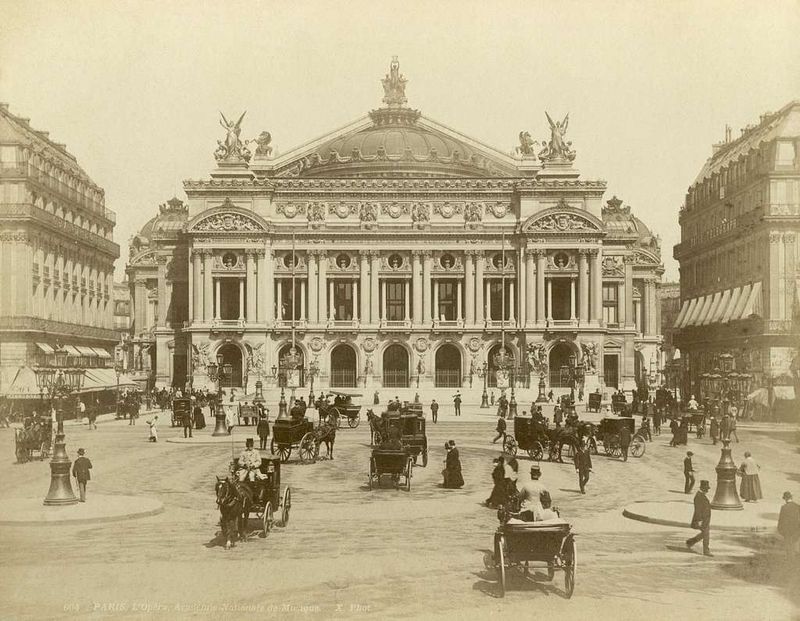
401 254
56 258
738 258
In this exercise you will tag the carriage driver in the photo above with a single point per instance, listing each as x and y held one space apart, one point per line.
249 463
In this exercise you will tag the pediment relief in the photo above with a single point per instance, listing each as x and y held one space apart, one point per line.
227 221
561 221
145 258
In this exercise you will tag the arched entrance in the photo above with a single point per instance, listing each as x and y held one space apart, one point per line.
282 370
343 367
231 371
491 379
448 367
562 357
395 367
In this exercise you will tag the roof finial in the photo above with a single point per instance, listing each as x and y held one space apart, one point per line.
394 86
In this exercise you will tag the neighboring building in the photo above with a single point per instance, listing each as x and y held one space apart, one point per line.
738 261
56 258
417 252
122 310
669 298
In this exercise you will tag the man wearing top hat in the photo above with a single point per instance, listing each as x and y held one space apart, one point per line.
530 508
701 519
80 470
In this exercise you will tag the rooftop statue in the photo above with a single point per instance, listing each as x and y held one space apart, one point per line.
394 86
232 148
557 148
526 145
263 147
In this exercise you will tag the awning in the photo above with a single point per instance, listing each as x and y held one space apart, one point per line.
72 351
735 295
101 353
737 312
712 308
761 395
679 318
86 352
105 379
45 348
19 383
700 313
722 306
689 313
753 305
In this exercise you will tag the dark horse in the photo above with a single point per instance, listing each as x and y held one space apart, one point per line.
326 432
569 436
377 427
234 501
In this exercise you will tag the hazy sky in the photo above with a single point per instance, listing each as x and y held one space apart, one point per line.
133 88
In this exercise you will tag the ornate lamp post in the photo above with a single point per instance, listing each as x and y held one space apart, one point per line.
60 384
311 371
505 363
725 496
118 361
215 372
291 363
282 402
483 373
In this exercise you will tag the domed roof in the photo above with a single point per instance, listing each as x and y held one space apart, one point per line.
620 221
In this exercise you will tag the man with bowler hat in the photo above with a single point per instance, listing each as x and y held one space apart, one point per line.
701 519
583 465
688 473
80 470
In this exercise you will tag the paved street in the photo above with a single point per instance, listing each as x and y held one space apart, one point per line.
353 553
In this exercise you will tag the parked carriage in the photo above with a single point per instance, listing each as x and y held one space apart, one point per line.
529 435
609 432
697 420
266 493
397 463
594 402
551 544
33 441
619 404
342 408
406 424
288 434
180 408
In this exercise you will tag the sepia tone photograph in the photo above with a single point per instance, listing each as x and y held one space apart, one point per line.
400 310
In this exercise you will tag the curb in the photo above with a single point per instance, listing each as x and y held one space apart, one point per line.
67 521
639 517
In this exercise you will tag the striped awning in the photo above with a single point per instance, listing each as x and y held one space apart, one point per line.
101 353
735 295
721 307
86 352
72 351
45 348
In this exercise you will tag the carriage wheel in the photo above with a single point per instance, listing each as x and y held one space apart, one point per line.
500 559
409 467
424 457
637 447
570 567
510 445
272 446
284 451
336 413
307 449
268 518
287 505
353 421
536 451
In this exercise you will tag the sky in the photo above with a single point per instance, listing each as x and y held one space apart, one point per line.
134 88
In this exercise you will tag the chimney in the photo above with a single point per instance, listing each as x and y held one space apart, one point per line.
727 133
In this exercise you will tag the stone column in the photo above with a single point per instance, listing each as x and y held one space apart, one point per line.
416 286
279 306
355 300
303 285
597 285
374 288
313 286
572 299
217 298
260 288
479 264
208 286
250 287
426 286
139 305
549 299
629 288
647 319
161 320
469 287
488 300
364 286
436 300
459 315
241 298
637 315
511 314
583 288
331 301
541 259
407 300
530 287
789 271
269 286
322 284
197 284
382 308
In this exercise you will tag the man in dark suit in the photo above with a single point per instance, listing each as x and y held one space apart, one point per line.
624 441
688 473
583 465
457 404
80 470
187 421
701 518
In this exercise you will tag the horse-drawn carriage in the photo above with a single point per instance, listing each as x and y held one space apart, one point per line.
398 463
550 543
181 409
619 404
696 420
238 499
609 434
341 408
34 440
407 425
299 432
537 438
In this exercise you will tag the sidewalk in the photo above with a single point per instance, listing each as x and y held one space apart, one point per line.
754 517
97 508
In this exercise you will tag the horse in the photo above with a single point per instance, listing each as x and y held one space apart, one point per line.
29 440
376 427
326 432
234 501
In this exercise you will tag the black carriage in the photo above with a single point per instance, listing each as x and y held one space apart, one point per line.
406 425
397 463
33 441
551 544
609 432
595 402
619 404
266 492
341 409
180 408
696 420
530 435
288 434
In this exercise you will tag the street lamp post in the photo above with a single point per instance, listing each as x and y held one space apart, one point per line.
312 371
60 385
215 372
483 372
290 363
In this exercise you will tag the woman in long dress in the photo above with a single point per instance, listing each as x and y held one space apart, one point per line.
750 488
452 470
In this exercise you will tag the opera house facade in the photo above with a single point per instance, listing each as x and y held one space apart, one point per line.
396 253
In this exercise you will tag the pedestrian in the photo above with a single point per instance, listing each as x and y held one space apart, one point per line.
457 403
750 488
80 470
501 430
491 400
732 428
657 422
452 470
187 422
583 465
434 411
558 417
714 431
497 497
789 524
153 425
701 519
82 410
262 429
688 473
624 441
502 405
510 475
91 414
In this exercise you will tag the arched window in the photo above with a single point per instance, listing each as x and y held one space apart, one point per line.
343 367
448 367
395 367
